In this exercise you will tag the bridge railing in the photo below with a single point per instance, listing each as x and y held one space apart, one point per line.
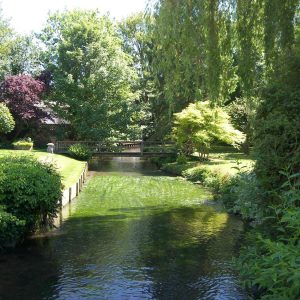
119 146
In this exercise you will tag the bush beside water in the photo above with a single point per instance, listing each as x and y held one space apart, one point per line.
270 263
80 152
11 229
30 192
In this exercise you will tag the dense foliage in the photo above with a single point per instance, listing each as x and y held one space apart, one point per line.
221 50
195 54
30 191
269 264
277 123
80 152
22 95
6 38
136 33
92 77
11 229
7 122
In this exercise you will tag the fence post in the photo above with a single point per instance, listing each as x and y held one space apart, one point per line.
142 147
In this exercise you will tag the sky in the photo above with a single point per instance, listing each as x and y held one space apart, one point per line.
30 15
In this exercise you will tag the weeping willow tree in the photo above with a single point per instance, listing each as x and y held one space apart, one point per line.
221 51
279 30
195 51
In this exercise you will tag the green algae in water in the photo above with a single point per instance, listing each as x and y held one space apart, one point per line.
108 195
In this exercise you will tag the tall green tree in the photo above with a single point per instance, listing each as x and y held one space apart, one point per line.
195 43
277 119
222 51
136 33
25 56
92 75
6 43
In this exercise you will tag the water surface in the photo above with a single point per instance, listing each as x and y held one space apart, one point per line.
133 233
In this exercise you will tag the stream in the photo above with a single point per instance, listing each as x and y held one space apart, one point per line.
133 233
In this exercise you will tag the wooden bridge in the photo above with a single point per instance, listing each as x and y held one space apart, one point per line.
121 148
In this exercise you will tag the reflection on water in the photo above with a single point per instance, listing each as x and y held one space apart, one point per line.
124 166
130 237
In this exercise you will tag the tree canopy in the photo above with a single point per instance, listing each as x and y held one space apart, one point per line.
22 95
92 76
198 125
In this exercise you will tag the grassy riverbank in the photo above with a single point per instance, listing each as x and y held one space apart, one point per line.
213 173
69 168
268 263
31 191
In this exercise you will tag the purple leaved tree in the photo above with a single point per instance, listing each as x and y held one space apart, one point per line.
22 95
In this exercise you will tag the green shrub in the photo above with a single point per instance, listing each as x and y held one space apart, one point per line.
242 194
29 190
7 123
200 124
195 174
25 144
176 168
216 180
160 161
270 269
213 179
277 134
270 263
181 159
11 229
80 152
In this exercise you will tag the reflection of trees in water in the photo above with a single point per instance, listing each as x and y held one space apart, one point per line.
30 272
141 252
189 252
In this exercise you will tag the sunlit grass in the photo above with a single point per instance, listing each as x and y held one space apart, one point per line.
70 169
227 160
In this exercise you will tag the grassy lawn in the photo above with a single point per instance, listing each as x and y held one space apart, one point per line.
223 160
226 159
69 168
228 162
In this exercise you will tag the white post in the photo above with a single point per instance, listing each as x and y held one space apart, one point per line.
50 148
